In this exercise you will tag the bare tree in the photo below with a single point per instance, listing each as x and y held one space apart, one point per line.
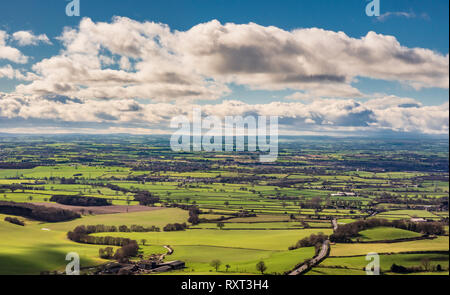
216 263
425 264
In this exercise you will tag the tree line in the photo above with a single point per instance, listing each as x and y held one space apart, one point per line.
175 227
101 228
79 201
311 241
424 266
128 247
145 198
40 213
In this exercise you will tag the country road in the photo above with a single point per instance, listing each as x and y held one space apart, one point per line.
324 250
335 224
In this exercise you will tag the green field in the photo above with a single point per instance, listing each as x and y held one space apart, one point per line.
198 258
386 233
46 249
258 225
30 250
407 214
146 218
245 239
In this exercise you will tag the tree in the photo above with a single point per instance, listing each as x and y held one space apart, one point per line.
193 215
220 225
146 198
216 263
315 202
425 264
101 253
261 267
228 266
106 253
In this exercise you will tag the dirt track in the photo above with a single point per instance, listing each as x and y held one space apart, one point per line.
101 209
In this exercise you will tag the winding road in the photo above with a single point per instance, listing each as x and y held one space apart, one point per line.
334 223
169 252
324 250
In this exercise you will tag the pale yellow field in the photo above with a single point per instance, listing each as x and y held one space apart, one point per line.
438 244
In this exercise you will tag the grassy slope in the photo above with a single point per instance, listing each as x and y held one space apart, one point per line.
29 250
386 233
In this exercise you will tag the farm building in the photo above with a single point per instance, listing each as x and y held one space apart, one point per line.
143 266
162 269
177 264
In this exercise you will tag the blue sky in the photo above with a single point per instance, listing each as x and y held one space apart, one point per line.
430 31
429 28
414 24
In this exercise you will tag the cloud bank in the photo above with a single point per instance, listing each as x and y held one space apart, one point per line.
385 113
141 74
130 59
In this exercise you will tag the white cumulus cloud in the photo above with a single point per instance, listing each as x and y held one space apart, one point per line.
130 59
25 38
10 53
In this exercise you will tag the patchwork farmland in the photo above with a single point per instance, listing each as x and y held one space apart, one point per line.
222 213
